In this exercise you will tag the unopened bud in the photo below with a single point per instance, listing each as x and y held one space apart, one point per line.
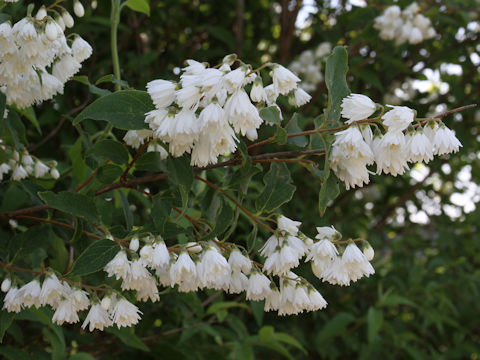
6 283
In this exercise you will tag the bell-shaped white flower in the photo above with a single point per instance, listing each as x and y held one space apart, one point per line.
398 118
357 107
97 318
284 80
125 314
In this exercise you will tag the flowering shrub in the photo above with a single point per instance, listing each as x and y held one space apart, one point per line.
186 184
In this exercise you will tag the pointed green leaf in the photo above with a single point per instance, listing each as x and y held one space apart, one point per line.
138 5
277 190
329 191
271 115
336 80
72 203
374 323
110 150
95 257
6 319
123 109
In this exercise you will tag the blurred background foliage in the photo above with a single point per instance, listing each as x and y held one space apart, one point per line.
422 303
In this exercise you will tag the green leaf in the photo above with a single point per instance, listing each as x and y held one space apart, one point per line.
15 134
93 89
278 189
127 212
59 255
138 5
12 353
394 300
71 203
271 115
75 155
161 210
374 323
223 305
128 337
110 150
336 80
29 113
291 128
95 257
123 109
150 161
222 222
281 136
59 348
180 171
6 319
329 191
108 173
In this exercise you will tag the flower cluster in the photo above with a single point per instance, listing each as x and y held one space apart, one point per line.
202 112
23 165
404 26
67 301
31 47
356 147
202 265
308 66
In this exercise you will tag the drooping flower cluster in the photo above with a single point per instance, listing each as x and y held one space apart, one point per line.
68 301
22 165
203 113
404 26
356 147
33 46
308 66
202 265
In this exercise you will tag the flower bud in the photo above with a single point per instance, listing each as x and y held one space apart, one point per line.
54 173
41 13
6 283
106 302
60 22
146 252
94 4
78 9
368 252
67 19
193 247
134 244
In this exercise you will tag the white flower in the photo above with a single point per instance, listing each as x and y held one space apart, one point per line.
193 68
183 133
146 254
66 312
188 97
65 68
19 173
6 283
238 282
271 94
239 262
336 273
160 256
162 92
193 247
78 8
125 314
80 299
419 147
390 153
118 266
258 93
30 294
12 302
270 245
81 49
273 300
183 269
213 269
234 79
52 291
97 318
242 114
284 80
445 141
322 251
326 232
357 107
136 138
300 97
398 118
287 225
41 13
317 301
350 156
356 263
258 286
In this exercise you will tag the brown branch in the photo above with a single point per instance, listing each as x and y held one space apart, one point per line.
90 178
240 206
58 223
123 178
191 220
287 23
238 28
